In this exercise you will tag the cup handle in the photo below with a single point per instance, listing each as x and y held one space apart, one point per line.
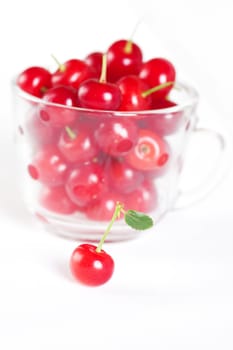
214 176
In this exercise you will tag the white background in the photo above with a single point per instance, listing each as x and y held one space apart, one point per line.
173 287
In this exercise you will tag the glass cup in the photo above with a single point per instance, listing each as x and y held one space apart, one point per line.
75 164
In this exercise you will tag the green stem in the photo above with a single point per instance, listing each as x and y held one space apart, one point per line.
70 133
156 88
116 214
61 66
103 69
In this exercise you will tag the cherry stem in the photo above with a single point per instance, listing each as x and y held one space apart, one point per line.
103 69
156 88
116 214
61 66
43 89
70 133
128 46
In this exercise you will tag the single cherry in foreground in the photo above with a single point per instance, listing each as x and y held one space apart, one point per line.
90 264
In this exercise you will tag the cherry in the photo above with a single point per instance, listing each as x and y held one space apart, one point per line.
48 166
72 73
86 183
168 121
103 209
158 71
143 199
34 80
132 98
122 176
55 199
99 94
91 267
117 136
124 58
38 132
150 152
78 144
94 60
56 107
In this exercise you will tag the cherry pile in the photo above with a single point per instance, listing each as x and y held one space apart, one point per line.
89 150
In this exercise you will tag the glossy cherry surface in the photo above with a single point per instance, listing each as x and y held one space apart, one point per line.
103 209
77 143
72 73
34 80
48 166
99 95
90 267
150 152
124 58
116 136
122 176
94 60
86 183
59 116
132 99
157 71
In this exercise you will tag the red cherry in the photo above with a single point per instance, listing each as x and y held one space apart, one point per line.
132 99
123 177
158 71
94 60
99 95
72 73
167 122
38 132
103 209
59 116
48 166
143 199
34 80
116 136
91 267
150 152
124 58
78 144
55 199
85 183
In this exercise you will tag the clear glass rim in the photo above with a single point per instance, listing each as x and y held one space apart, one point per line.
190 91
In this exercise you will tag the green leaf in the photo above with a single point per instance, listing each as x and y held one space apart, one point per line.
138 220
